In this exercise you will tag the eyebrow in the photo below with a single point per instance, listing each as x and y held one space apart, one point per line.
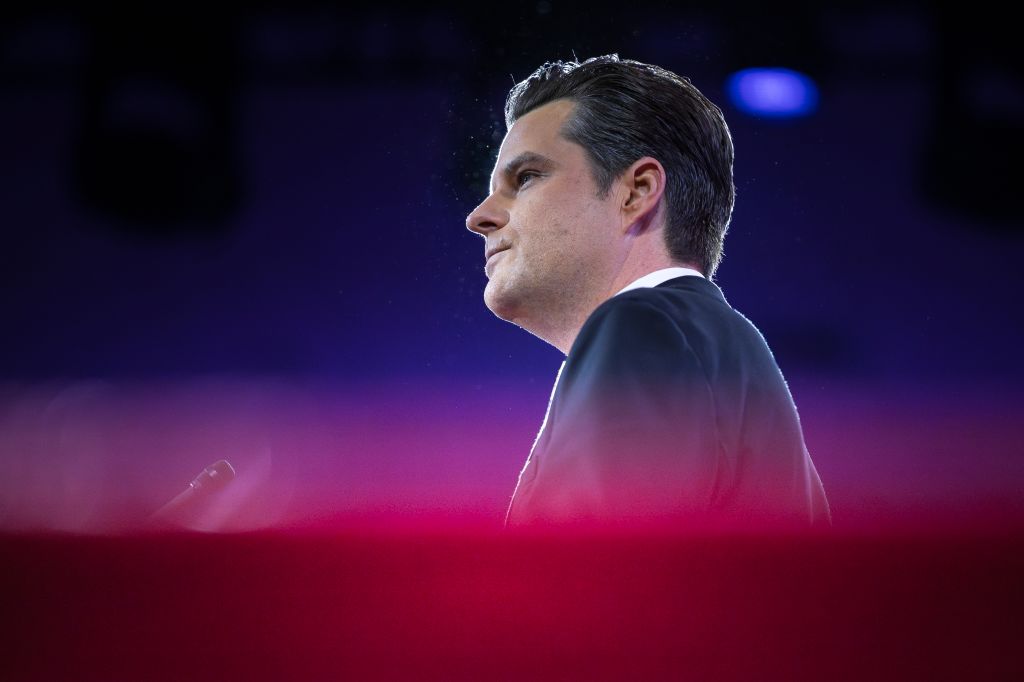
526 158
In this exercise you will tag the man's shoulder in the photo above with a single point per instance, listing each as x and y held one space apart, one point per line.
675 302
639 326
630 314
687 319
634 344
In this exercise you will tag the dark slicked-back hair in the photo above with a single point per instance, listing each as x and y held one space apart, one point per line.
626 110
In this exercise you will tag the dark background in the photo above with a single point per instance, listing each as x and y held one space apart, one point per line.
234 231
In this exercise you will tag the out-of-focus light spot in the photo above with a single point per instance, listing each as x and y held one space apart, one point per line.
773 93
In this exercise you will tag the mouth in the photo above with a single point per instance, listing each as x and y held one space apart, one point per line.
490 262
491 252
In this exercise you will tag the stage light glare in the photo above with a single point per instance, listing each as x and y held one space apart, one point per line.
773 92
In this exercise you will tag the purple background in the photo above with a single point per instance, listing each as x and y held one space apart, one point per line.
243 236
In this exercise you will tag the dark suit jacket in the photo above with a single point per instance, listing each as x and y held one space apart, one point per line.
669 408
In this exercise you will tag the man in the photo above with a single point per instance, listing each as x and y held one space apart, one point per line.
608 206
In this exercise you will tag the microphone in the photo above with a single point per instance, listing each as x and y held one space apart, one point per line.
210 480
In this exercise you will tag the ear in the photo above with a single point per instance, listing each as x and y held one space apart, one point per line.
643 184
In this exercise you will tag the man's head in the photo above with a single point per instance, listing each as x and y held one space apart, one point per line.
625 144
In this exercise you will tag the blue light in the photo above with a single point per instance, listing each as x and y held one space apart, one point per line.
773 93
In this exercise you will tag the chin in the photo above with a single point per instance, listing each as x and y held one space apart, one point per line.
499 301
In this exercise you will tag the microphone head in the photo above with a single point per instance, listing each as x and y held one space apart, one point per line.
214 477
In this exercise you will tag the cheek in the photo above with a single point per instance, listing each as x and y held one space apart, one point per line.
553 227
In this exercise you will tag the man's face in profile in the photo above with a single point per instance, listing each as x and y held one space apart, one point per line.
549 237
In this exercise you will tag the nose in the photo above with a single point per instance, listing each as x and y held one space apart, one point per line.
487 217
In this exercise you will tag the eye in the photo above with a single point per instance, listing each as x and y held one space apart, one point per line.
524 176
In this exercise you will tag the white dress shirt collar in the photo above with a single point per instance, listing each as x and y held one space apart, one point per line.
655 278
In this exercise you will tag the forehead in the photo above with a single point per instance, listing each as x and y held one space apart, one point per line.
537 132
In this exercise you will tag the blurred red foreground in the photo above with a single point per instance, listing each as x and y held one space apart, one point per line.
483 606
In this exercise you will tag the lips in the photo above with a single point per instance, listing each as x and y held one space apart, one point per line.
497 249
489 262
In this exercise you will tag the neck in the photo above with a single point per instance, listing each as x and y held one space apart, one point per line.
641 254
633 266
560 329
